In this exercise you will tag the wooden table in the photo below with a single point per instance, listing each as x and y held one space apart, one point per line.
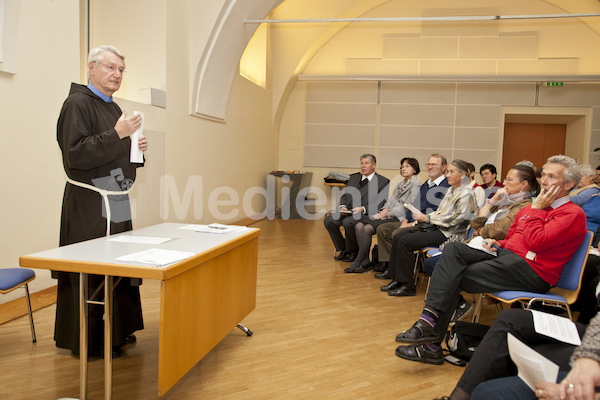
202 298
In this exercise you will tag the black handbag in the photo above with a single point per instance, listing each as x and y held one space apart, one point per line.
426 227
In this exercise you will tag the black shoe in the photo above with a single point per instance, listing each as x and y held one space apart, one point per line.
350 270
383 275
403 291
99 353
364 268
379 267
420 353
421 332
130 339
341 255
390 286
350 257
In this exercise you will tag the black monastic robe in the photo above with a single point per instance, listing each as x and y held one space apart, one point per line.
93 154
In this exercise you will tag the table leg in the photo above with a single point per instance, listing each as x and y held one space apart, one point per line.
108 314
83 335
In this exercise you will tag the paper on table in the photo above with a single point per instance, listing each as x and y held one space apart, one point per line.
136 155
155 257
533 367
139 239
215 228
559 328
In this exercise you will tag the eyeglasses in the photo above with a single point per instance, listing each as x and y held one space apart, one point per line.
433 165
112 68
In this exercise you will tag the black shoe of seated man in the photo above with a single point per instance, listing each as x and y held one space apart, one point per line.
379 267
421 332
130 339
383 275
420 353
403 291
341 255
350 257
390 286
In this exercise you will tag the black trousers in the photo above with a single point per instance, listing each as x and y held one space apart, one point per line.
492 360
462 268
405 243
333 223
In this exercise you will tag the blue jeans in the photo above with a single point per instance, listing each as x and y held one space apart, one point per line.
511 387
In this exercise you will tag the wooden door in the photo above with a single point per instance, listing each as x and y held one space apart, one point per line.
533 142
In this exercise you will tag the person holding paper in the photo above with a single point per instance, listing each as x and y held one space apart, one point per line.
491 371
392 211
431 193
365 194
93 136
451 218
542 239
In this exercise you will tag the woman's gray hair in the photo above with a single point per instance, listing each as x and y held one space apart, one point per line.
572 172
586 170
96 54
462 165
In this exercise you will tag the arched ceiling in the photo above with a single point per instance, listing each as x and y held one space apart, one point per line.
218 65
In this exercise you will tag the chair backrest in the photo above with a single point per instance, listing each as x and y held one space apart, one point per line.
570 279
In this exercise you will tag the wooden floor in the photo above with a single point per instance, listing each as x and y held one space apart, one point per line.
318 334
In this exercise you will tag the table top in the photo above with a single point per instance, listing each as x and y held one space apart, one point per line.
98 256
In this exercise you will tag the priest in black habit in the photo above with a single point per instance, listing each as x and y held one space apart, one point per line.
94 137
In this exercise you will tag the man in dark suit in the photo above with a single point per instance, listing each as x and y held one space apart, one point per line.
365 194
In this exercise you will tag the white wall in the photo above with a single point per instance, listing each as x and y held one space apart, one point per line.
156 38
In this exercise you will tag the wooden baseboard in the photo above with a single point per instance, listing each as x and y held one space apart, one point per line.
18 307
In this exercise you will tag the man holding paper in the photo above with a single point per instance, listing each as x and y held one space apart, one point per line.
94 137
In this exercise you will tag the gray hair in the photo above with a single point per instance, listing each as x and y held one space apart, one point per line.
572 172
96 54
527 163
370 157
586 170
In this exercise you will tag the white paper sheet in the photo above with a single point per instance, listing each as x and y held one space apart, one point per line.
477 243
559 328
533 367
139 239
136 155
155 257
215 228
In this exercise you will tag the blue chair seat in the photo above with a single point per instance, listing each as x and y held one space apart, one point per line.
12 278
510 296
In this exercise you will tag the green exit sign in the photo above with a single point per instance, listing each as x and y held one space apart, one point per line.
555 83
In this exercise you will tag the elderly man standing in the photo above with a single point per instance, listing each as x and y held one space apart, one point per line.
543 237
94 137
365 193
431 194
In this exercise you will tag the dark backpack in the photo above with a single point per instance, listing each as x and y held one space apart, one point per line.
464 337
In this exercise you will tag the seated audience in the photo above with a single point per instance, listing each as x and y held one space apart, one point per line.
430 194
586 188
492 361
392 211
365 193
477 189
488 174
542 239
451 218
597 176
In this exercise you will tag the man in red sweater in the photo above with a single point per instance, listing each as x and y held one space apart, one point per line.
543 237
